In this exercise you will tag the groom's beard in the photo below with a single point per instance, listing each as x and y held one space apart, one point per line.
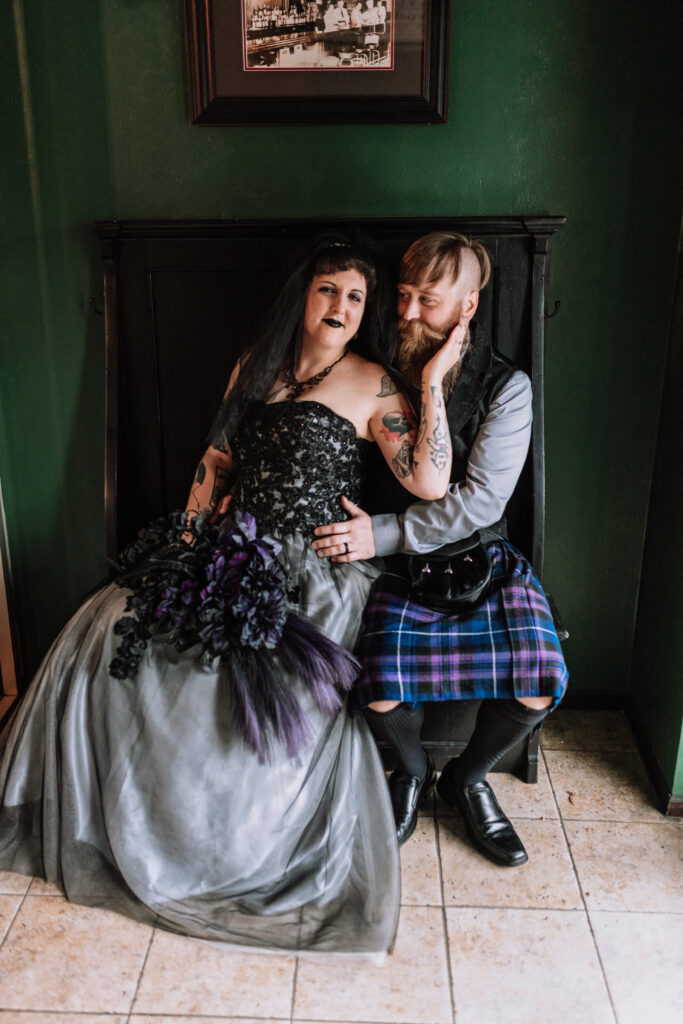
418 343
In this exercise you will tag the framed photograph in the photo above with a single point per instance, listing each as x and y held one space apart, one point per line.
296 62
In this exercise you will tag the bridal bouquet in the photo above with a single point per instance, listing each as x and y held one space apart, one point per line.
220 587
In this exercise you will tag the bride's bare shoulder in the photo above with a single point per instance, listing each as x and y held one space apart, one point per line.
373 378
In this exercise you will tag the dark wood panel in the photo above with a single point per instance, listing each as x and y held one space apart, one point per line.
188 298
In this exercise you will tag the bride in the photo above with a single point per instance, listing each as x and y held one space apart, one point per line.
183 754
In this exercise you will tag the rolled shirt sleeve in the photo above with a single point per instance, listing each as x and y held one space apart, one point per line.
478 501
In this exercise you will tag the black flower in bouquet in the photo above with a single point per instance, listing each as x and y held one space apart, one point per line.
222 588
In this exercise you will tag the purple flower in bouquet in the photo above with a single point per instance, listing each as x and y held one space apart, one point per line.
168 597
246 583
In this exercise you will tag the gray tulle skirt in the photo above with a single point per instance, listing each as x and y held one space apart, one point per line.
138 795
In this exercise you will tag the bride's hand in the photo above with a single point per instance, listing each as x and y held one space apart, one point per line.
447 356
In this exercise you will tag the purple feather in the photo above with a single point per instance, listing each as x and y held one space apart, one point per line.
246 719
292 727
264 708
323 666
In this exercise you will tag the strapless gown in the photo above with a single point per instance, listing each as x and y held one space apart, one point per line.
139 795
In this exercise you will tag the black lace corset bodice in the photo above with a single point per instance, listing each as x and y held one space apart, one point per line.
295 461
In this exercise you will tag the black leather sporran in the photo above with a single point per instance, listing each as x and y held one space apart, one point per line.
452 578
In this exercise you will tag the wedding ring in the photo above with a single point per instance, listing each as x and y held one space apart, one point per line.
346 549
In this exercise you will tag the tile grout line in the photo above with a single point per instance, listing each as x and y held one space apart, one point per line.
544 910
294 980
15 914
666 823
449 971
70 1014
581 894
142 971
589 750
249 1018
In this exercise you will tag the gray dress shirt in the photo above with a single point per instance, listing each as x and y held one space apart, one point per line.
478 501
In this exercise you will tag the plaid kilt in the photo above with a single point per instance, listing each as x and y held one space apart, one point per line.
506 646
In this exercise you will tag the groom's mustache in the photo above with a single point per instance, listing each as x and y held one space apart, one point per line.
415 332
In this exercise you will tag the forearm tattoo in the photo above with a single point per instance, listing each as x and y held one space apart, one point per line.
387 387
199 478
402 463
438 444
220 486
437 402
437 397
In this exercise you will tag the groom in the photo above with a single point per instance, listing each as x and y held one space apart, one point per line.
504 650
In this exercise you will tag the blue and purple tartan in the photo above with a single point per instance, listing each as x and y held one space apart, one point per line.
506 646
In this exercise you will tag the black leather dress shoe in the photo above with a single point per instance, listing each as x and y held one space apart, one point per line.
406 793
488 828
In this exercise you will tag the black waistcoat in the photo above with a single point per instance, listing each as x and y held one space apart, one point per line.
483 374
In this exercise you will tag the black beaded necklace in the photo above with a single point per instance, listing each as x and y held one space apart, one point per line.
297 387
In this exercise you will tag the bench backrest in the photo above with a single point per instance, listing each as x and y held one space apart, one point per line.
182 300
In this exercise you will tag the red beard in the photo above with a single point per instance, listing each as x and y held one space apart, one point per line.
417 346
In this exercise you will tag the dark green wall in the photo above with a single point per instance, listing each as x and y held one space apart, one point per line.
55 177
563 107
656 691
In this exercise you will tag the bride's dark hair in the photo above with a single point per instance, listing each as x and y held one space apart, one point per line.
279 336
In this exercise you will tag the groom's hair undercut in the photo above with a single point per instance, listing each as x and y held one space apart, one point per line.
445 254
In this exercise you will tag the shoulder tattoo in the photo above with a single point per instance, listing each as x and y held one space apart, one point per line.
387 387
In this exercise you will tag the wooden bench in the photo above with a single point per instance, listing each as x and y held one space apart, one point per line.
182 300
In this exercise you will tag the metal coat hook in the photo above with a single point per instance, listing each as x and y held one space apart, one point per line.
100 312
548 316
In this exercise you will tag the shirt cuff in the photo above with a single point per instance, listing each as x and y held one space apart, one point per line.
388 535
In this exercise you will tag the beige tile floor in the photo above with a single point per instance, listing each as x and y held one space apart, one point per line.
589 931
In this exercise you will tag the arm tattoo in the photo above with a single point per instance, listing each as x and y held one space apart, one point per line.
402 463
396 424
438 445
199 478
438 404
437 397
220 486
387 387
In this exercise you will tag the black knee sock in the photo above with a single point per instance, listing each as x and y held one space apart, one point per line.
500 725
400 728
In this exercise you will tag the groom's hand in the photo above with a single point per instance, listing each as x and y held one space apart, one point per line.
348 541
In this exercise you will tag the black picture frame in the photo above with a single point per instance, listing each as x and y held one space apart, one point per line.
222 92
